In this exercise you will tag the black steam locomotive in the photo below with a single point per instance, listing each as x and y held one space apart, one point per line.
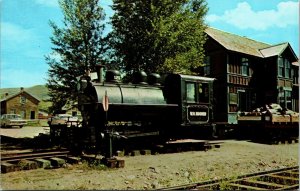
153 108
173 106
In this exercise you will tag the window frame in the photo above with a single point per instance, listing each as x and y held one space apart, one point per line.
206 67
189 93
244 66
284 68
23 99
288 99
204 87
287 68
281 69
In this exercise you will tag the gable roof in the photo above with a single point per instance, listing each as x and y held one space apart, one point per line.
245 45
278 50
236 43
274 50
16 94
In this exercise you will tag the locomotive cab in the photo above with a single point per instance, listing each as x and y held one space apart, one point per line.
194 96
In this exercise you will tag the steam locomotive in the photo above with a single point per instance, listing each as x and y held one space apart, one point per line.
172 106
151 107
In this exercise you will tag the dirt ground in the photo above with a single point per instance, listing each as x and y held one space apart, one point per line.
157 171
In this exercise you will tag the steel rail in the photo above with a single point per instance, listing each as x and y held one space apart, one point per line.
245 182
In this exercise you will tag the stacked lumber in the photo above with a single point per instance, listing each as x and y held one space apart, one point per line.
270 113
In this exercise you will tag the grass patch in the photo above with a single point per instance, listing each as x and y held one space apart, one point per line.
37 122
93 165
34 123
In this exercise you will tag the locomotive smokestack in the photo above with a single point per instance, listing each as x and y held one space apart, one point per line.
99 69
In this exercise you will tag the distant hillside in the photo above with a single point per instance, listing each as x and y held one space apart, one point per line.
39 91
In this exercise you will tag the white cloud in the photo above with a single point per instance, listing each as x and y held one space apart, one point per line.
244 17
48 3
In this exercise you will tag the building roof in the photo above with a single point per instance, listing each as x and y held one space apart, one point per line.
236 43
16 94
245 45
296 63
274 50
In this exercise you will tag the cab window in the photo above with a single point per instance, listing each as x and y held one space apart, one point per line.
190 92
203 93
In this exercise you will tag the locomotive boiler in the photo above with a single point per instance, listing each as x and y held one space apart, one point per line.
175 106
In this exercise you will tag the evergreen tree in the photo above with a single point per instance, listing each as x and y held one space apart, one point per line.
164 35
78 47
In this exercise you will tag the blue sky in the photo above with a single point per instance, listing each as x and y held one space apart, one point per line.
25 32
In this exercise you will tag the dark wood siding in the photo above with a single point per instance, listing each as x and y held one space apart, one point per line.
218 68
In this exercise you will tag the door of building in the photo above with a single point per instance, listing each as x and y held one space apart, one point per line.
32 115
242 101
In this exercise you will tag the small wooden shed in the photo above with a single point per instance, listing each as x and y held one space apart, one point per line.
21 103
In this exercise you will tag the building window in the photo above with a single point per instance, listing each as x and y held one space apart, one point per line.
245 67
284 67
295 76
23 114
190 92
206 67
287 65
242 100
288 97
22 99
280 67
285 98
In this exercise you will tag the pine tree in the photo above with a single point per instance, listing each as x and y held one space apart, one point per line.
159 36
78 46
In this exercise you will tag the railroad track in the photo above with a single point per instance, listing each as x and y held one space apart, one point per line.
280 179
33 155
33 160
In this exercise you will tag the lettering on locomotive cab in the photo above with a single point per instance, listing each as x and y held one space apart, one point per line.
197 113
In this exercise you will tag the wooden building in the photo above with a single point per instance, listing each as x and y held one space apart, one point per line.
249 74
21 103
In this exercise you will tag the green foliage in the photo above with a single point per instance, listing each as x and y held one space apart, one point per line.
33 123
45 105
78 47
93 165
150 35
225 185
164 36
